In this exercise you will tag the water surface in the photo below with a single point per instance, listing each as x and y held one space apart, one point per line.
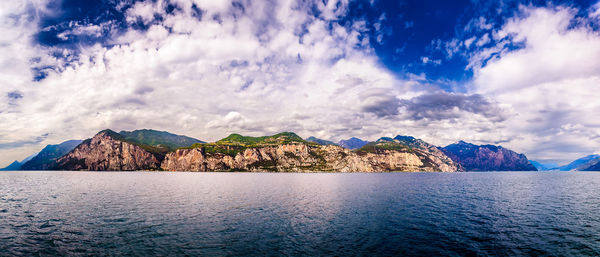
226 214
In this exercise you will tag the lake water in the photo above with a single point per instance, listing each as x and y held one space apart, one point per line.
227 214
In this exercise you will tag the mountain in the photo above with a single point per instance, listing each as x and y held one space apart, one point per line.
159 139
45 159
352 143
287 152
586 163
538 165
109 150
429 156
16 165
281 138
487 157
320 141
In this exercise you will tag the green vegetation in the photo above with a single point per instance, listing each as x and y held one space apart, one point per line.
232 150
158 139
383 145
214 148
268 165
158 150
278 139
236 143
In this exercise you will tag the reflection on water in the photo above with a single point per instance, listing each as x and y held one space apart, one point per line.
137 213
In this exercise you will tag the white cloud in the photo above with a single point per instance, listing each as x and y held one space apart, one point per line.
469 41
269 70
549 83
595 11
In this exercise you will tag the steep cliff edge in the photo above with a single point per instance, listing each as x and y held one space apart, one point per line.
487 158
286 152
108 150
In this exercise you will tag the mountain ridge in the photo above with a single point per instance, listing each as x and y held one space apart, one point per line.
147 149
287 152
487 157
352 143
46 157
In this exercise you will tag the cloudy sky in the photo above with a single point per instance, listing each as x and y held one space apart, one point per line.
522 74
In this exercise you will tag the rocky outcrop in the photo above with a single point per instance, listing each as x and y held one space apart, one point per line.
343 160
106 151
301 157
430 152
487 158
283 152
159 139
288 157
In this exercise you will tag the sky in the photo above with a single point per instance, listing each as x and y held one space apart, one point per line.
521 74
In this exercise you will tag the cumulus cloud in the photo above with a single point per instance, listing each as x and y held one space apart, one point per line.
548 81
201 68
210 68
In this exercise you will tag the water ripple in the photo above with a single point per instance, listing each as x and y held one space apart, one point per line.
232 214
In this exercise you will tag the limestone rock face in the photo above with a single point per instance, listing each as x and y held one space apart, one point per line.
431 153
107 151
299 157
288 157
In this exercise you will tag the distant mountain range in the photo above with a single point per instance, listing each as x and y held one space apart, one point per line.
352 143
284 152
487 157
320 141
587 163
45 159
543 166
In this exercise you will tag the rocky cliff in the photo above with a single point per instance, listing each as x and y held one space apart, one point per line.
283 152
487 158
158 139
296 155
108 150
